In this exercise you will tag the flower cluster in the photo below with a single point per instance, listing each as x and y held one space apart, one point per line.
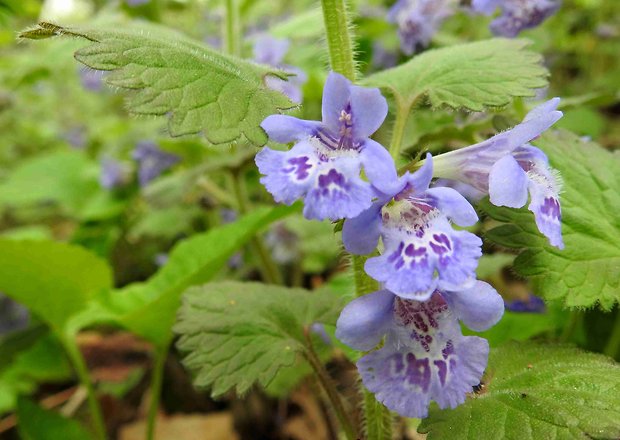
418 21
516 15
427 266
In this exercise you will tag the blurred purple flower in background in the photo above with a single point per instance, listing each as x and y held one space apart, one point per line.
91 79
133 3
152 161
418 21
114 174
425 356
76 137
283 243
271 51
516 15
533 304
13 316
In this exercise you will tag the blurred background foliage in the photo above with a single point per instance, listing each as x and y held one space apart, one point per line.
60 125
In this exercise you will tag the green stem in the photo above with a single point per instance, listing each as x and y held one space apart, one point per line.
339 41
330 389
398 131
269 270
379 420
156 383
232 28
613 344
574 318
82 371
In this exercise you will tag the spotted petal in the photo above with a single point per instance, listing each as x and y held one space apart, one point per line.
415 262
545 205
424 358
337 191
288 175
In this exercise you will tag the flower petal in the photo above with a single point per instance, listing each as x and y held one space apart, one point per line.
420 180
360 234
379 167
285 129
337 191
451 203
425 357
486 7
545 204
369 109
414 263
288 174
508 183
479 307
336 98
365 320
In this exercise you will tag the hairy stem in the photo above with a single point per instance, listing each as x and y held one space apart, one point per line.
398 131
268 268
612 348
156 382
232 28
379 420
339 39
82 371
330 389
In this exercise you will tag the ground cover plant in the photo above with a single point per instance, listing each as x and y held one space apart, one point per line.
235 219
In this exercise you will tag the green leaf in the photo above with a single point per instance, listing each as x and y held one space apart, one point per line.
240 333
149 308
587 271
68 178
472 75
36 423
54 280
22 371
537 392
201 89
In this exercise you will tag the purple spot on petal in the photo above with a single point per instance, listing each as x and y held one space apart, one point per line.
551 208
442 370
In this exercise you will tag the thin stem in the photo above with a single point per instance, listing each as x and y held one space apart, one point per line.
156 383
330 389
232 28
398 131
613 344
339 41
268 268
82 371
574 318
379 420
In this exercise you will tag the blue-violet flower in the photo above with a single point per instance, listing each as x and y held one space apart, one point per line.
422 250
516 15
271 51
152 161
324 164
418 21
424 356
506 167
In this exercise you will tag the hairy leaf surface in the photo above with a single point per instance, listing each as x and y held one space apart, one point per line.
202 90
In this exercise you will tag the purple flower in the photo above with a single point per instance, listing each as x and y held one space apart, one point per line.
533 304
13 316
91 79
271 51
152 161
113 174
424 356
516 15
418 21
134 3
283 244
422 250
506 167
324 165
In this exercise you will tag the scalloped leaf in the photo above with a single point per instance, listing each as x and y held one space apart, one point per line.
201 90
236 334
532 392
473 75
